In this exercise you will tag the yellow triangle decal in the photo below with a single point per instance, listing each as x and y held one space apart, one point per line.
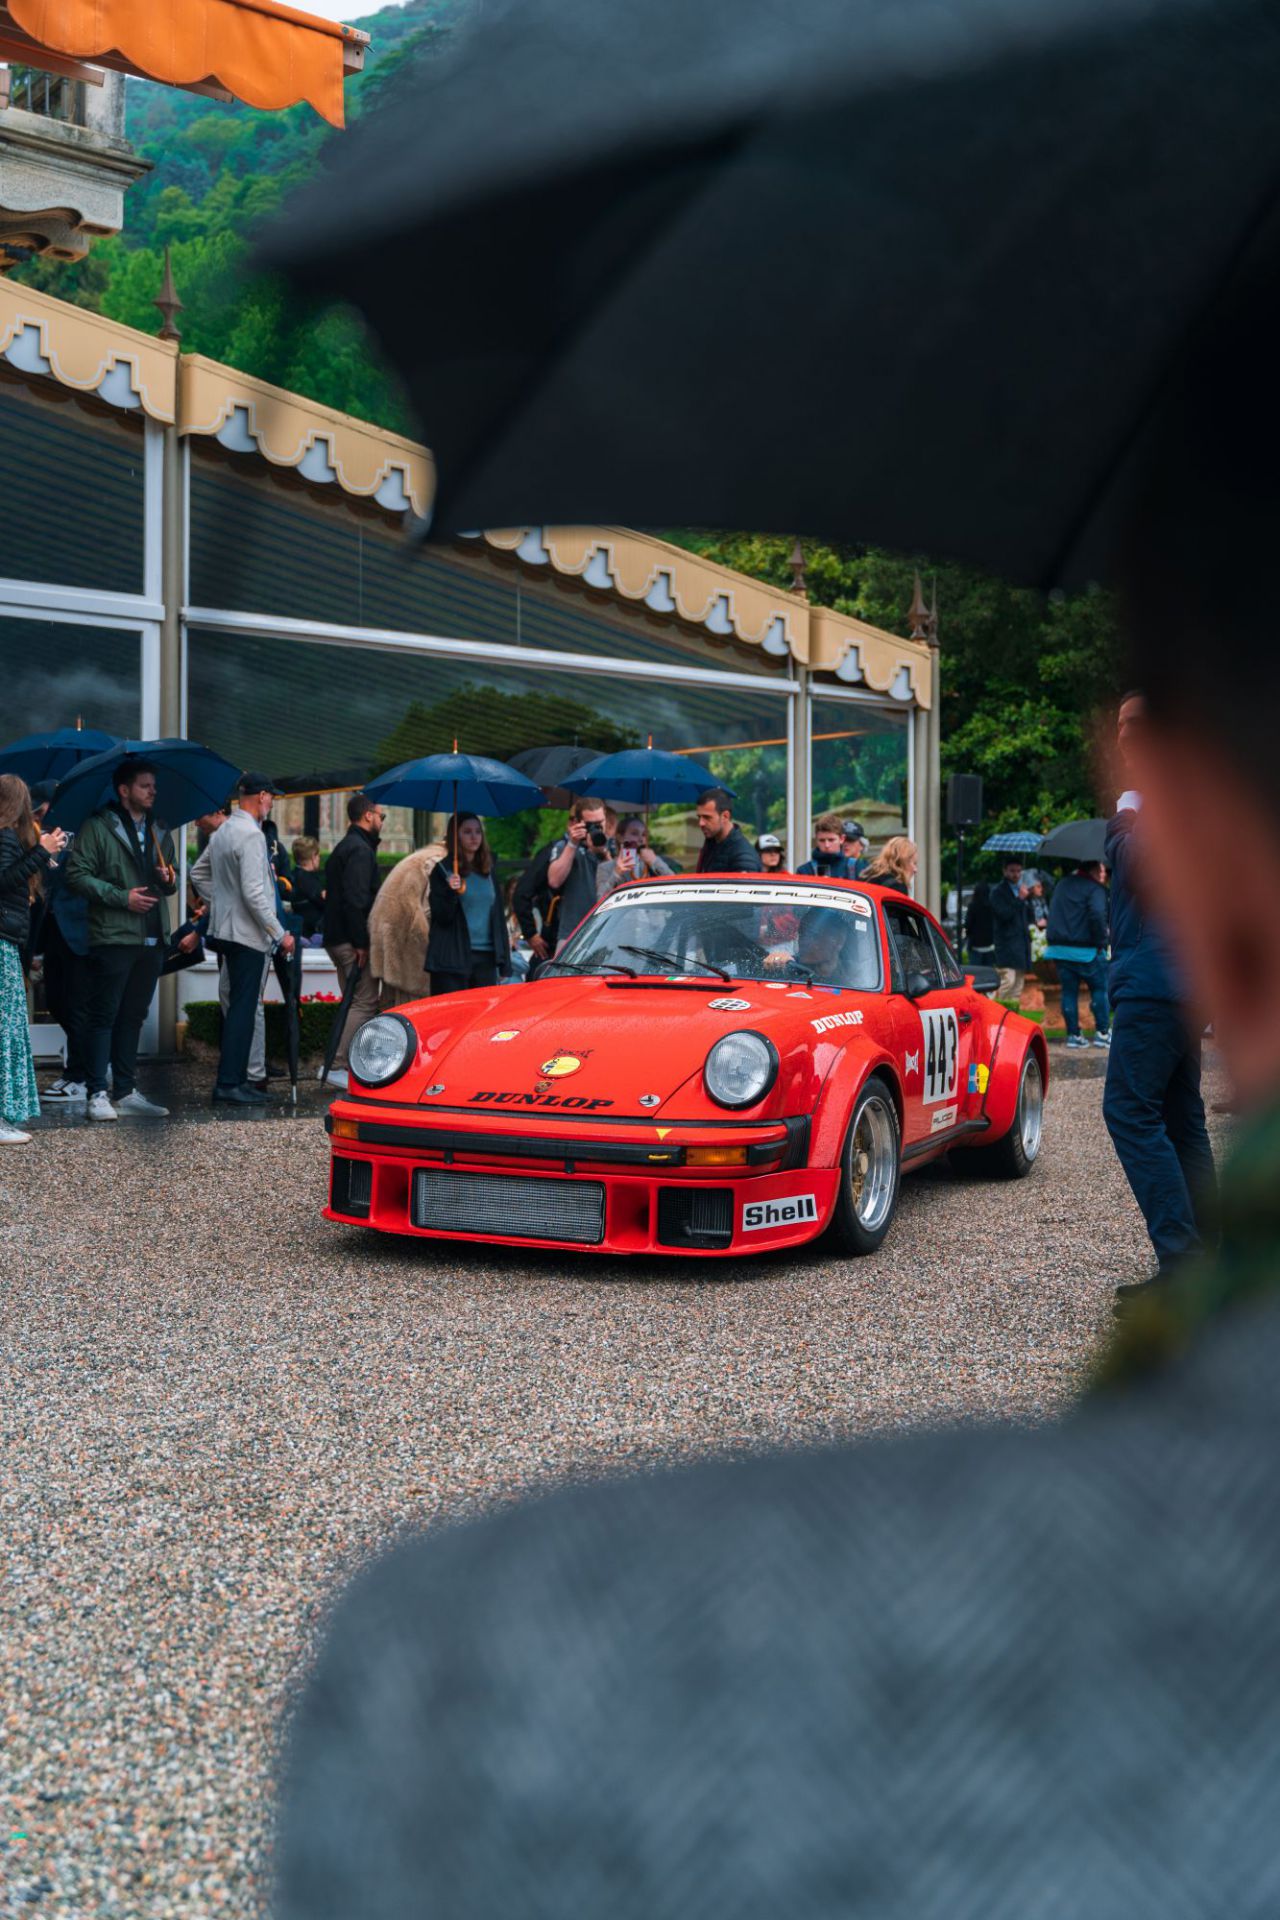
662 1132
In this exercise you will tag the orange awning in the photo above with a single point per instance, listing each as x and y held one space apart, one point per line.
265 54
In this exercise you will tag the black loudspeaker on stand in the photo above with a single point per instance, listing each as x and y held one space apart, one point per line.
964 809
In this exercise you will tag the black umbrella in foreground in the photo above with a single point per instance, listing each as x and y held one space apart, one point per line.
877 269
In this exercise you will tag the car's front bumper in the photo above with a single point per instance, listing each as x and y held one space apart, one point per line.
610 1188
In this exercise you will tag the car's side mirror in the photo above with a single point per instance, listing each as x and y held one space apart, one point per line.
983 979
919 984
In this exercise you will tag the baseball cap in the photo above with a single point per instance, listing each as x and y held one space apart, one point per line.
768 842
250 783
853 830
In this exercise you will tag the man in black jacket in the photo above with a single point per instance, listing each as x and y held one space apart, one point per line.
533 901
1077 944
351 881
725 848
1011 915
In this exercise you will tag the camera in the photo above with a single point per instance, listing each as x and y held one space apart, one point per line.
599 838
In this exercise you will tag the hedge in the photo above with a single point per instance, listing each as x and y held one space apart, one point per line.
315 1021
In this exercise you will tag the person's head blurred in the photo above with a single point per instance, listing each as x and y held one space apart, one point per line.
365 813
772 853
134 785
854 835
16 810
1198 742
306 853
820 944
207 824
715 814
1012 870
465 834
631 833
896 862
828 835
1091 870
42 792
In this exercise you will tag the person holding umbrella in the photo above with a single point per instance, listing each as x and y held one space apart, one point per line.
468 944
245 925
1011 917
123 864
351 880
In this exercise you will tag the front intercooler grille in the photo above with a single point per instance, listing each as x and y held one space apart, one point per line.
695 1216
504 1204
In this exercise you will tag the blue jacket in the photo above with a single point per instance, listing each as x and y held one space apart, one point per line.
1078 913
831 866
1142 965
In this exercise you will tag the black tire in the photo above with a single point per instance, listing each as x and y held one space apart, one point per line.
1013 1155
872 1150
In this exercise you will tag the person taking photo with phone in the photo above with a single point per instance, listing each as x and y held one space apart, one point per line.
27 856
123 863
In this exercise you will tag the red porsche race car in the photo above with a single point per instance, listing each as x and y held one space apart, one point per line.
711 1066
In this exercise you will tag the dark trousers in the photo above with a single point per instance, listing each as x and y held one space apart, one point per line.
246 967
483 974
1155 1116
123 980
1073 976
68 986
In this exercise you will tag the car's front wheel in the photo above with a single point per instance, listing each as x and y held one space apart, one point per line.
870 1172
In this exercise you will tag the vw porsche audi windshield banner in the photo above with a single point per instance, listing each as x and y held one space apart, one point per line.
765 896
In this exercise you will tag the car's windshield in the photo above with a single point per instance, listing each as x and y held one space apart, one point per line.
740 931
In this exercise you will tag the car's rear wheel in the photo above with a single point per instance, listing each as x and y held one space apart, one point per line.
870 1172
1016 1152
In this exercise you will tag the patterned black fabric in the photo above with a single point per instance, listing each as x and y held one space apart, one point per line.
986 1675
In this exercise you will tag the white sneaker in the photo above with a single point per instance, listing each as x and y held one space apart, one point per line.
1102 1039
100 1108
337 1078
138 1104
1076 1041
13 1136
66 1090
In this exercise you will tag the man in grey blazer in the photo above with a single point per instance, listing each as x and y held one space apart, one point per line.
234 874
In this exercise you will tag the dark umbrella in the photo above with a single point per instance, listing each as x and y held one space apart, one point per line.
644 777
548 767
288 971
49 756
190 780
339 1022
726 241
1077 840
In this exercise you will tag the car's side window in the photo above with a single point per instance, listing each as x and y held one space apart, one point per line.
909 937
948 966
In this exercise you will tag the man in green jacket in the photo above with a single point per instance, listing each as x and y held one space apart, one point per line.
123 864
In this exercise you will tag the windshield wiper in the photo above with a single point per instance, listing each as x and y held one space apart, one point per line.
603 966
674 960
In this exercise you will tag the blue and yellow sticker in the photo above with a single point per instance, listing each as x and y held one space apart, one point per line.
979 1079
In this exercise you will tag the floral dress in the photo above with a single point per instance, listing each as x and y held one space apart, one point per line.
18 1098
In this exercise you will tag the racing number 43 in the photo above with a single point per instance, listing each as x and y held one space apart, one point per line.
941 1039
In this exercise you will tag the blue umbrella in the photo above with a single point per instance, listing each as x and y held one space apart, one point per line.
190 780
453 782
1012 843
643 777
49 756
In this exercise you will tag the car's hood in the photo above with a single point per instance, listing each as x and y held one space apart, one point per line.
619 1049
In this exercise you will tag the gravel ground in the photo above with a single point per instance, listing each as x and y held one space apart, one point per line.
213 1408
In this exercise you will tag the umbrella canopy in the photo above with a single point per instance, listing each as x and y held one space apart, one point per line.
1077 840
456 783
48 756
726 240
548 767
1012 843
190 780
643 777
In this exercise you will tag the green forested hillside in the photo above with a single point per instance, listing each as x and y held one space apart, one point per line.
219 172
1022 678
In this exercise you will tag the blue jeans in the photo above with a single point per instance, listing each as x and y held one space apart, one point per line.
1075 974
1155 1116
246 969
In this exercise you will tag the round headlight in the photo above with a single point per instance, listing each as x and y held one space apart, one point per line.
740 1069
382 1049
